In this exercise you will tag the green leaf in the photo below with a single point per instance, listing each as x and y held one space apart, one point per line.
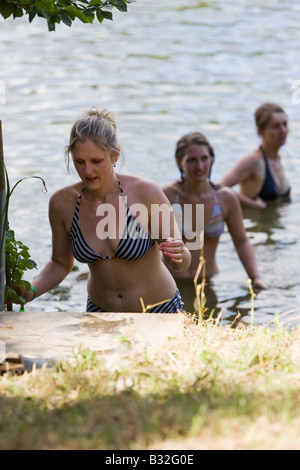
18 12
32 15
66 11
120 5
89 11
70 10
10 235
51 24
81 16
100 17
95 3
107 15
44 13
26 264
6 9
66 19
48 5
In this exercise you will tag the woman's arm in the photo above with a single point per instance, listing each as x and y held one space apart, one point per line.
256 202
163 226
62 259
239 237
246 254
241 171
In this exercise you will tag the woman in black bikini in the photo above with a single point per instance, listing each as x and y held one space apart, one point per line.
260 174
106 220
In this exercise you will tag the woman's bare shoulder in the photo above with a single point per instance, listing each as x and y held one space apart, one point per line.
141 189
171 190
251 158
65 197
229 202
226 195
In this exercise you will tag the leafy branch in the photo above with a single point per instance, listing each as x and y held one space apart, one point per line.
17 262
66 11
17 257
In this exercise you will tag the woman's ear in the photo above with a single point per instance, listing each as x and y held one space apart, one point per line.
259 131
211 165
178 161
116 155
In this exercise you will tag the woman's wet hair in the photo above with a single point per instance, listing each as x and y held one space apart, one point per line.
97 126
264 113
193 138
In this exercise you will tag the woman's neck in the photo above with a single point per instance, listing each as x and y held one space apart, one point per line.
191 188
105 192
271 152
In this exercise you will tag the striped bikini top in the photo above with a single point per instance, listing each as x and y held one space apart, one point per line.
133 245
215 226
213 229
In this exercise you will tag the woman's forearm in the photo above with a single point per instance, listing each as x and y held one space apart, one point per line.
247 257
51 276
246 201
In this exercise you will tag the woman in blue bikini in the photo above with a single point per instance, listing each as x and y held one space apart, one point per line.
106 220
194 157
260 174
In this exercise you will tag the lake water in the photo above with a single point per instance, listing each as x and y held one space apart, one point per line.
164 68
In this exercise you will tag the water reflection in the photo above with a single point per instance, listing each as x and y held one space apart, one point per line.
232 310
267 226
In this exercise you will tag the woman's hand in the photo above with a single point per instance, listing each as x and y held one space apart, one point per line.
256 203
28 295
259 203
257 283
173 249
17 295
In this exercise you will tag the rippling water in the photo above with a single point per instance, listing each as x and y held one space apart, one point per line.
164 68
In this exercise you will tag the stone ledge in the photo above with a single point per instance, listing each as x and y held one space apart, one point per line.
48 336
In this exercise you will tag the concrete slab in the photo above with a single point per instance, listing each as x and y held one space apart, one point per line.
41 337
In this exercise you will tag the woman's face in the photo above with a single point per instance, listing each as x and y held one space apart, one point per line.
93 164
196 163
275 133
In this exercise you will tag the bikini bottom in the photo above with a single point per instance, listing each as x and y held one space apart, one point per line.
172 305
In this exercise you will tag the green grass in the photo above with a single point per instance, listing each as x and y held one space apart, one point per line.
215 388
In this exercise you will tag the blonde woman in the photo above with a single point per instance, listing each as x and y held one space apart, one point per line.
106 220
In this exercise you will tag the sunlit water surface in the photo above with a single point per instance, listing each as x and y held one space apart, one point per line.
164 68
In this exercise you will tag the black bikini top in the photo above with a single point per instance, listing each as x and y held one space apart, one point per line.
270 190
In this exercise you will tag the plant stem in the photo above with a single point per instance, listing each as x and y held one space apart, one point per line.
2 226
